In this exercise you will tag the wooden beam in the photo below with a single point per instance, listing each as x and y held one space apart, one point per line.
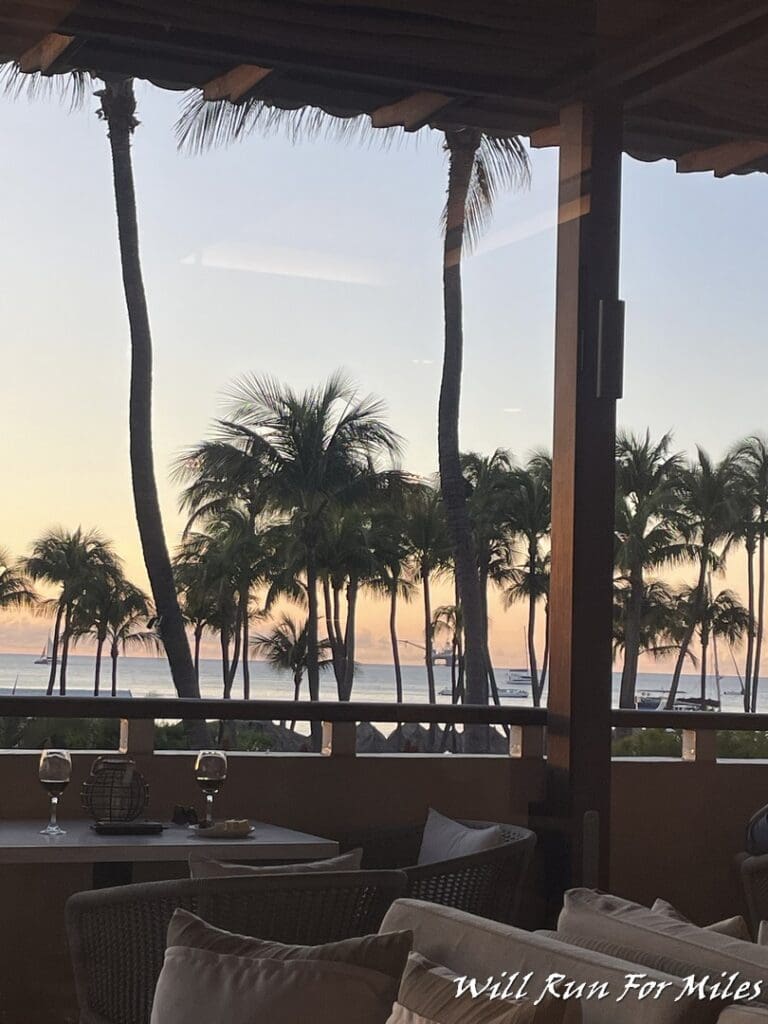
544 138
411 113
583 484
43 55
685 46
234 84
724 159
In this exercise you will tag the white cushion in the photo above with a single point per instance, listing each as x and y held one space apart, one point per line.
736 927
446 839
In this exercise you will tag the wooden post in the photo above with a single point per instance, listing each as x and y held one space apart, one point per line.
588 368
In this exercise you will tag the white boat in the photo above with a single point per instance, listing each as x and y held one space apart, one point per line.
46 655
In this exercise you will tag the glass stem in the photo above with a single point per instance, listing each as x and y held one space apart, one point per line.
54 806
209 808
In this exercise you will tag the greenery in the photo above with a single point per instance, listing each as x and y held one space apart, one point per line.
297 498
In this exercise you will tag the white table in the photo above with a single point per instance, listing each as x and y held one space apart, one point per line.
112 857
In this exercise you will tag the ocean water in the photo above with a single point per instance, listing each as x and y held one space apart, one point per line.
145 677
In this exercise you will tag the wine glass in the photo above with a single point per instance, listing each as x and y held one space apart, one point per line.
210 773
54 773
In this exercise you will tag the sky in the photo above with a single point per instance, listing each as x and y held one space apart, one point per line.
293 260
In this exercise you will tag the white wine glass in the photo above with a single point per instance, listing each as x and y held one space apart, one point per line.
210 773
54 773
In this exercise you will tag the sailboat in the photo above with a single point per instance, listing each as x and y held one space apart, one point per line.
46 655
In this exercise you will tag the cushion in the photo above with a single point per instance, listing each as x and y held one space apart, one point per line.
736 927
384 953
197 986
201 866
762 934
210 975
429 995
446 839
478 948
620 924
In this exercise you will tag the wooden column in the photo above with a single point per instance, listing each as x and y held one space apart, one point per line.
588 366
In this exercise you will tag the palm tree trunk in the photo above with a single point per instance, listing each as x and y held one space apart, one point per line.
97 670
703 676
65 650
246 644
690 630
462 148
55 651
224 645
198 637
313 658
531 641
114 654
486 647
545 658
394 641
760 615
750 546
237 632
349 639
431 692
118 108
632 628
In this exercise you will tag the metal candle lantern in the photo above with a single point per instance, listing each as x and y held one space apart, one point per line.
115 790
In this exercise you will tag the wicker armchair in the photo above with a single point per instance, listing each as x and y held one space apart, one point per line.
117 936
489 884
754 881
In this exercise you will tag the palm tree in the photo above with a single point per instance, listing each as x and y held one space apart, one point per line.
128 621
286 648
111 612
489 479
478 166
75 562
722 617
15 589
118 111
529 517
752 461
322 451
117 108
224 477
706 502
390 553
427 546
647 477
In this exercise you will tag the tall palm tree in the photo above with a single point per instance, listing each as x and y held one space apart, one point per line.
752 461
647 478
478 166
128 626
720 617
75 562
428 549
117 108
16 590
323 450
706 501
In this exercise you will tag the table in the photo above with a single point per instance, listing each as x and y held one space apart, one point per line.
113 857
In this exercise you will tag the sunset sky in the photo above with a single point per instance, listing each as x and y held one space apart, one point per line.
294 260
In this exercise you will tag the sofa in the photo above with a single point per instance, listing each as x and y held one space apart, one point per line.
479 948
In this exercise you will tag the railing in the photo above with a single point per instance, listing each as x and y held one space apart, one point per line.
526 725
339 718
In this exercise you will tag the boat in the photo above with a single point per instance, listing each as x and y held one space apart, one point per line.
696 704
649 700
46 655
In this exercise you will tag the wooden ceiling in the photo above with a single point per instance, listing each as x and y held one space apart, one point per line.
692 74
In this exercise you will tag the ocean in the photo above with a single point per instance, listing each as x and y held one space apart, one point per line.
145 677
